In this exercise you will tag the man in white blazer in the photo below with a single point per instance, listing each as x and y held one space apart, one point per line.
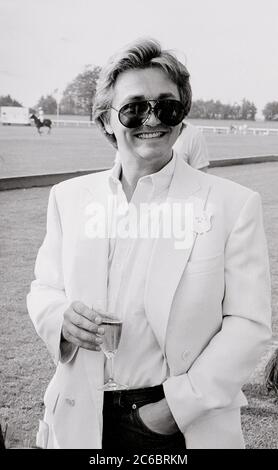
195 304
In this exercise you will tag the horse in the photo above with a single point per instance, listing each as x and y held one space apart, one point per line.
39 123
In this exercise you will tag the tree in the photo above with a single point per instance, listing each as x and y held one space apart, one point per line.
8 101
235 111
48 104
78 97
211 109
270 111
228 111
196 109
248 110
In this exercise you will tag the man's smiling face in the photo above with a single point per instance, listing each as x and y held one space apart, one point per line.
153 141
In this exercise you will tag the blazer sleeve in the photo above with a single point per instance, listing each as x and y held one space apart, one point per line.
47 300
217 375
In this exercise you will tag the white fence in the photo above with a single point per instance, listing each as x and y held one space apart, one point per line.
261 131
234 129
72 122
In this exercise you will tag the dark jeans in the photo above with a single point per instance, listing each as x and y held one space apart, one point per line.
123 428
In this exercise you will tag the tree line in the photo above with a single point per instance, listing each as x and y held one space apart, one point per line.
7 100
211 109
78 99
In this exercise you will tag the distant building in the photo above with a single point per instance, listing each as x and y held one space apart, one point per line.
14 115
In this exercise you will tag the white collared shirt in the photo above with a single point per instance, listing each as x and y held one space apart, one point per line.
139 361
191 146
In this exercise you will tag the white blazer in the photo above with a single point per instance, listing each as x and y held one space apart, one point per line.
208 305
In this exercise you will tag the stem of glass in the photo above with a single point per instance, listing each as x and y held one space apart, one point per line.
111 362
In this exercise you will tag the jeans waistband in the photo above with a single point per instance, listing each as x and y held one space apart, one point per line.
133 398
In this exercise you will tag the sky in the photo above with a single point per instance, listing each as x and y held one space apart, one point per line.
229 47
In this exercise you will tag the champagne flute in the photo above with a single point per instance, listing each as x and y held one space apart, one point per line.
111 339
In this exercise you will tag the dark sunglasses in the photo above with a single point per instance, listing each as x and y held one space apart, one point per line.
135 114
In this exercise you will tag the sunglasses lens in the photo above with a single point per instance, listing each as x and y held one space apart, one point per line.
170 112
134 114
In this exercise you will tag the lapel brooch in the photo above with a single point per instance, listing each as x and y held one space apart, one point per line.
202 223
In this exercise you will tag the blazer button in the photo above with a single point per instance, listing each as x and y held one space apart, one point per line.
70 402
185 355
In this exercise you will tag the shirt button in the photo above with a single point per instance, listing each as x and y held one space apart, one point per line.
70 402
134 406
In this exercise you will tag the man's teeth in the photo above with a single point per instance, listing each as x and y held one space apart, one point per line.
150 135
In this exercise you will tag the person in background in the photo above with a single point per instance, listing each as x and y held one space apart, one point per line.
194 304
192 147
41 114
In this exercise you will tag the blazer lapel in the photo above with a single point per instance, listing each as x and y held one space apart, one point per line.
90 267
168 261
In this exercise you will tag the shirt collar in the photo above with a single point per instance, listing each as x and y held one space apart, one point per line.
160 180
116 171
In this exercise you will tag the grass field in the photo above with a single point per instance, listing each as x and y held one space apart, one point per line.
25 365
24 152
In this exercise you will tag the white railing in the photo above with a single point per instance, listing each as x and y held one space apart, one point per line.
215 129
262 131
243 130
70 122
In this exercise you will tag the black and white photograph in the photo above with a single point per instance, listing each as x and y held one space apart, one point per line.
139 227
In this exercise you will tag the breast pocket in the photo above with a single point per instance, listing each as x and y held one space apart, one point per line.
205 265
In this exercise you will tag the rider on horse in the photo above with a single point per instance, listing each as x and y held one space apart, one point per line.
41 114
41 122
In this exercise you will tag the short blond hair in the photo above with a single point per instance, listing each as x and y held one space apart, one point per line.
143 53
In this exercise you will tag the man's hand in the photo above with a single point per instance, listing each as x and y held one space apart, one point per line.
158 417
81 327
